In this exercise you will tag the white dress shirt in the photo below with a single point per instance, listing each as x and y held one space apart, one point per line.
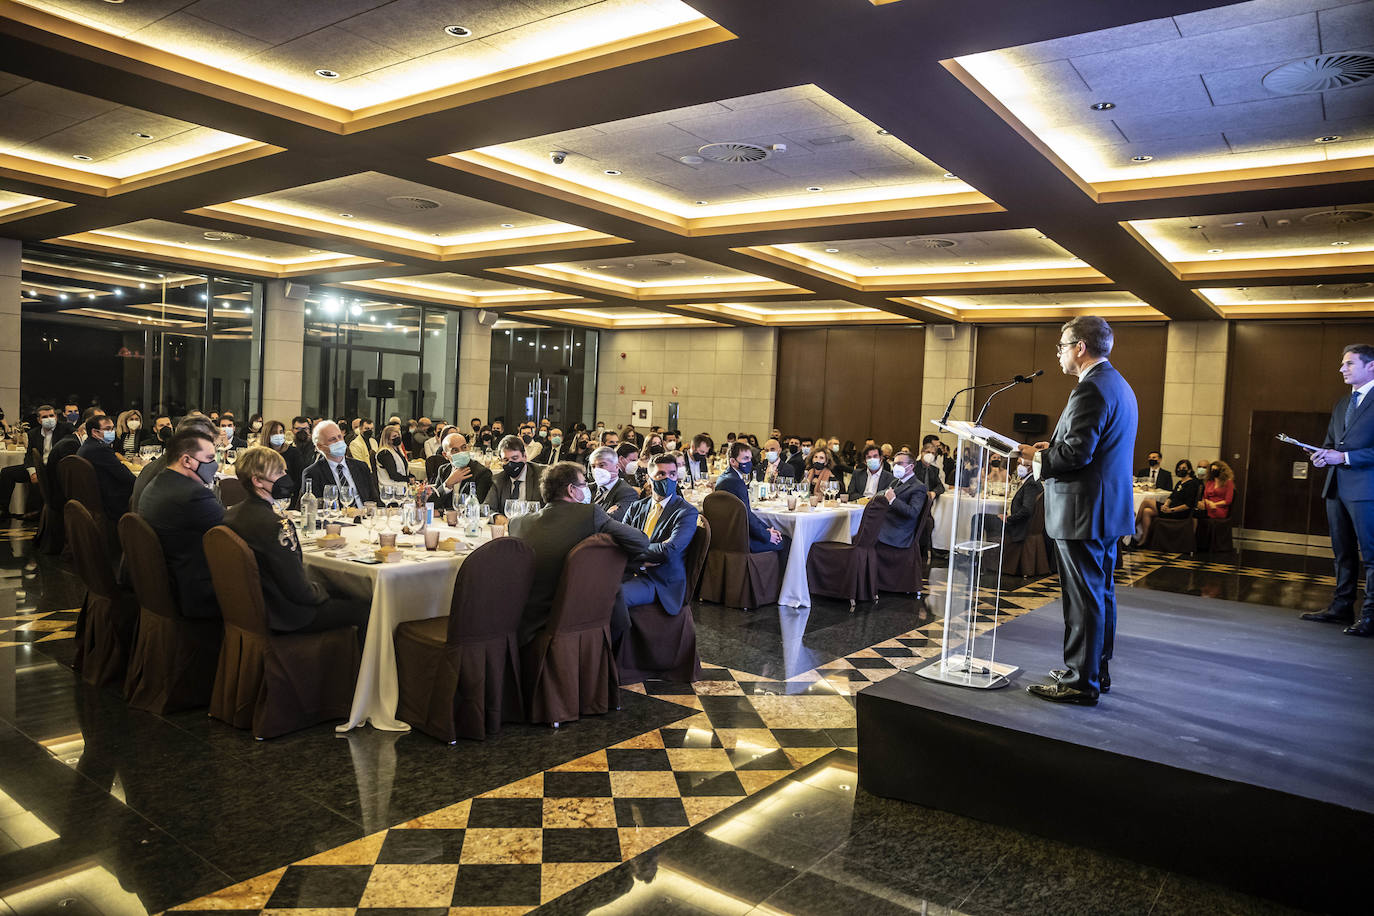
334 468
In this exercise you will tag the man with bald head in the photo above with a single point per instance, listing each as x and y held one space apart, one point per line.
335 468
459 473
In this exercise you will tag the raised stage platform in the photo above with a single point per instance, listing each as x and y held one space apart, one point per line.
1237 745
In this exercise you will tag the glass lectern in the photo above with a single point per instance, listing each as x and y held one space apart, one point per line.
974 588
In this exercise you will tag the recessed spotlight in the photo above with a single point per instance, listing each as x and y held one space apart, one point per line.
457 31
884 132
372 318
356 309
815 188
327 74
315 251
603 267
247 310
62 296
831 250
1141 158
33 292
1197 227
1331 138
143 286
970 263
389 326
612 171
118 292
1215 250
1339 244
141 135
690 160
950 175
709 277
508 225
82 157
345 216
90 295
1102 106
699 203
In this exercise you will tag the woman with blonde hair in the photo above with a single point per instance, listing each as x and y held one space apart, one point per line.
129 433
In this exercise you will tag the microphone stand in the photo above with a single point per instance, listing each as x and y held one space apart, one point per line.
978 420
949 408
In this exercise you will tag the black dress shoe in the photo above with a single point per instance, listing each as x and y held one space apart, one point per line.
1330 615
1104 682
1365 627
1058 693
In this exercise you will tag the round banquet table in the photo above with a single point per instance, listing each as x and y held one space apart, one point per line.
9 458
417 469
805 527
944 506
418 587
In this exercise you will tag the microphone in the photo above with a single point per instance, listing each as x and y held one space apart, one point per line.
1019 380
1015 381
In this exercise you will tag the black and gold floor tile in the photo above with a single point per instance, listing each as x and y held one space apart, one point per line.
26 627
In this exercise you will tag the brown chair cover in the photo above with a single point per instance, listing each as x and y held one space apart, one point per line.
35 461
51 527
105 631
273 683
849 570
459 675
1028 557
79 483
1214 535
432 465
569 667
903 569
1173 535
662 646
734 576
173 663
231 492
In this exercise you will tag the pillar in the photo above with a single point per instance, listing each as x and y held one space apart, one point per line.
283 353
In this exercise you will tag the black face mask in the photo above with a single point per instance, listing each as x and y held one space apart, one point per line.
1154 462
1181 472
301 436
513 468
165 433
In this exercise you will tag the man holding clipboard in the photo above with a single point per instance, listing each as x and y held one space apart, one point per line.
1348 456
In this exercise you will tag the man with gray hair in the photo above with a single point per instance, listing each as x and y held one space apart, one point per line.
611 491
335 468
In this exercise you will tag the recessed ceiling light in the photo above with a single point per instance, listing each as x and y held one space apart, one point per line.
831 250
457 31
612 171
883 132
1141 158
1338 244
371 317
950 175
815 188
247 310
603 267
327 74
1102 106
62 296
118 292
690 160
508 225
345 215
33 292
1196 227
1332 138
315 251
82 157
709 277
143 286
970 262
90 295
142 136
699 203
1214 250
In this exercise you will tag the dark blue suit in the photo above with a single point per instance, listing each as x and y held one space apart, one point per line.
1087 475
899 524
116 482
665 583
759 540
1349 493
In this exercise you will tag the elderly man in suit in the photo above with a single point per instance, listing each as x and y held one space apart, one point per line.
1348 456
517 479
735 479
333 467
669 522
116 482
1086 470
872 478
906 500
179 506
611 491
567 519
460 472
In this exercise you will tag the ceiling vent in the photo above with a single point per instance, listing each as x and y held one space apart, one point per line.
1338 217
735 152
656 262
412 203
932 243
1320 73
225 237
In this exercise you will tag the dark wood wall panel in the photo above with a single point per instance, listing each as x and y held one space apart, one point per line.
1006 350
851 382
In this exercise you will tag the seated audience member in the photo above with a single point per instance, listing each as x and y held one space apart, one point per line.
421 434
632 437
611 491
631 468
1157 477
1012 525
699 458
653 446
198 422
392 466
333 467
1218 489
553 450
299 455
453 480
179 505
997 473
669 522
820 470
735 479
581 447
871 479
906 500
1182 502
774 467
364 444
517 479
228 434
966 475
43 437
129 433
294 603
254 428
114 480
929 469
272 434
611 438
567 519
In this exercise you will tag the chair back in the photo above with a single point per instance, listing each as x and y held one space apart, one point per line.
694 562
41 472
89 553
432 465
587 589
729 522
490 592
1037 519
147 566
79 483
871 524
231 491
234 571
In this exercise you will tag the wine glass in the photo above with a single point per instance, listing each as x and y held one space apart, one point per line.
512 508
369 518
345 495
331 498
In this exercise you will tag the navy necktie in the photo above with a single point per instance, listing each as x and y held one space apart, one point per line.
1350 408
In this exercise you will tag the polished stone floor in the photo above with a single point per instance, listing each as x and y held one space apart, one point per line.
736 794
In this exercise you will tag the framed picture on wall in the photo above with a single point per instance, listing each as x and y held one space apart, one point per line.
642 413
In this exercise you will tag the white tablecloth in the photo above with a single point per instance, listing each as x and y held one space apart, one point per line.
943 515
10 458
416 588
1139 496
806 528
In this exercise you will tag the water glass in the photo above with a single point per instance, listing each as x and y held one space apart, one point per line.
369 517
346 495
512 508
331 497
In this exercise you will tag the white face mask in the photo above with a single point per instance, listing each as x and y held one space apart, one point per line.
772 456
603 477
134 424
928 457
806 449
631 467
1022 471
586 496
901 471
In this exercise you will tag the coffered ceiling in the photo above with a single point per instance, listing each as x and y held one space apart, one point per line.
822 162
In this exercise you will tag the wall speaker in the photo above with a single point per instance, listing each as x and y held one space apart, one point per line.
1033 423
943 331
381 388
296 290
487 319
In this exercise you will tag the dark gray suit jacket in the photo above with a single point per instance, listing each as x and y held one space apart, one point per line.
501 489
181 510
618 496
904 512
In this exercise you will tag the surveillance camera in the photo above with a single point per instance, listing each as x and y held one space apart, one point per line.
558 156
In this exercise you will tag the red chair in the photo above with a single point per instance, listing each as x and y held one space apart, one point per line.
662 646
850 571
459 674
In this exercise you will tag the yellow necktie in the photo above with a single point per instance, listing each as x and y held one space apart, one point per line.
652 520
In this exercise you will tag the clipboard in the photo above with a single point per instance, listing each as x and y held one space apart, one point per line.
1303 445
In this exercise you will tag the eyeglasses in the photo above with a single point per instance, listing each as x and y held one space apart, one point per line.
1063 345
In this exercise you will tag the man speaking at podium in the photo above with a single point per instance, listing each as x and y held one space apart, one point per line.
1086 469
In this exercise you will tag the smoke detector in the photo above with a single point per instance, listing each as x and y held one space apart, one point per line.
225 237
735 152
1338 217
1320 73
932 243
411 203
